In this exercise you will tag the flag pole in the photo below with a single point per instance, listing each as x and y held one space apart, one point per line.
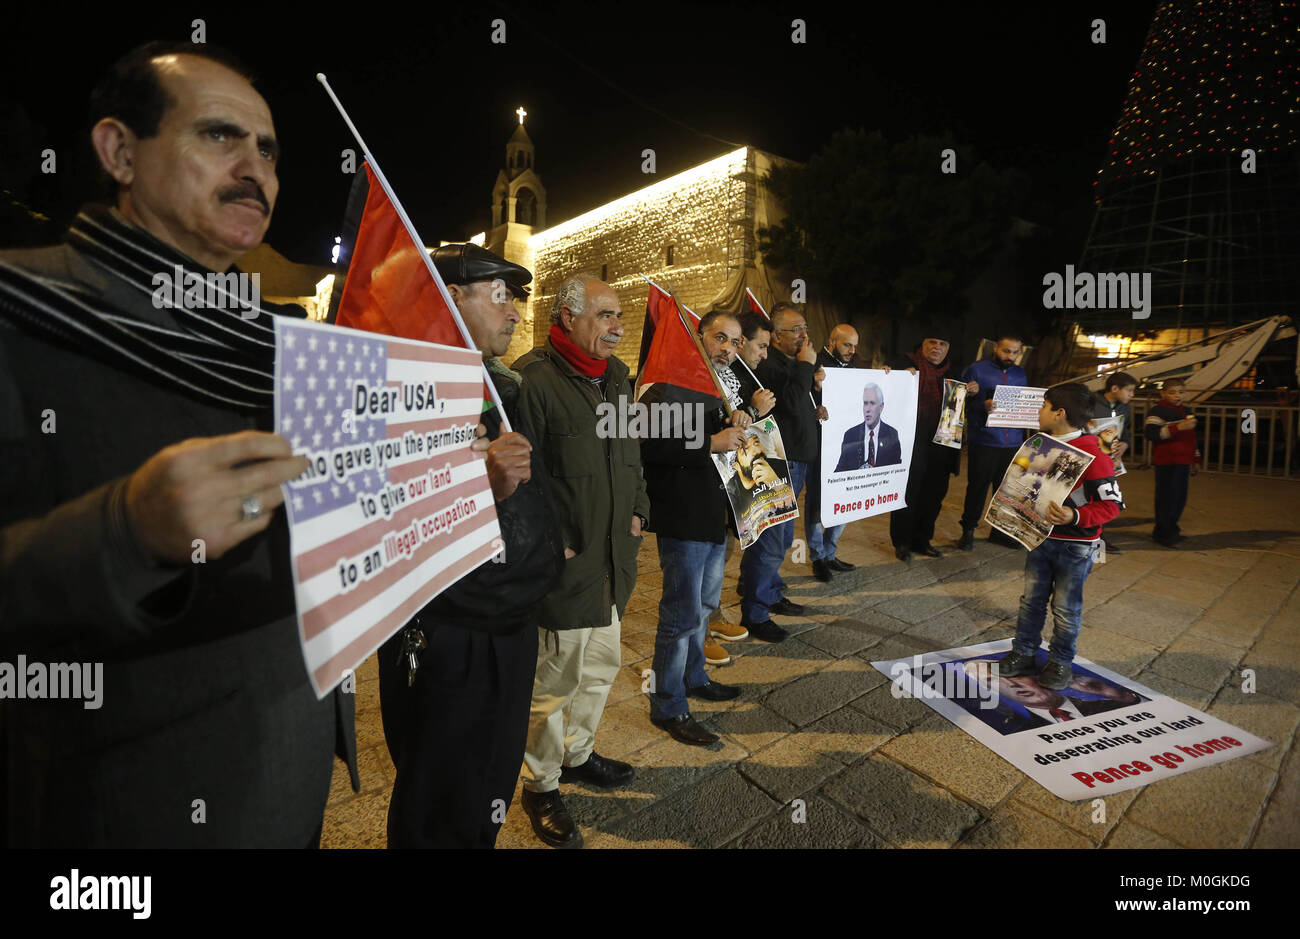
419 243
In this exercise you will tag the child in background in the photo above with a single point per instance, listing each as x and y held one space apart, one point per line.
1057 568
1173 433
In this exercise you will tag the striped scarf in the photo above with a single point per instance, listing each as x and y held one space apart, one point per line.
223 352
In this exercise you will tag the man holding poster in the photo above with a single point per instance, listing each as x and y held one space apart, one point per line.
991 449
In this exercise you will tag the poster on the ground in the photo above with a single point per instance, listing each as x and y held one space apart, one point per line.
395 507
757 480
1101 734
1044 470
1016 406
1109 431
866 442
951 414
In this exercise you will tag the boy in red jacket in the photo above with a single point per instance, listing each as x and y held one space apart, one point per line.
1173 432
1057 568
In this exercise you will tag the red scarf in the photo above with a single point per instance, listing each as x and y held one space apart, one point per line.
585 364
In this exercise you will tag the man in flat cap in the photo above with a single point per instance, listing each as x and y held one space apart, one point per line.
455 685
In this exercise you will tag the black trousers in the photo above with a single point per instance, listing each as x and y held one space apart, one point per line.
1171 498
985 467
457 735
927 484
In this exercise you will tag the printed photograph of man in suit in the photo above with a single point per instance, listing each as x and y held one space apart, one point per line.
871 443
1023 704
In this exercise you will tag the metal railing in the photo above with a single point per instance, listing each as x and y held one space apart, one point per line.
1244 438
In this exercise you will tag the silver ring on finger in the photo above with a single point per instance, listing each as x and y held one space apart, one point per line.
251 508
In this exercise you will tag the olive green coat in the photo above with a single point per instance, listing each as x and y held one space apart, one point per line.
597 484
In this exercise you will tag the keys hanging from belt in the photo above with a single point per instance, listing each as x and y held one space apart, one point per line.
412 645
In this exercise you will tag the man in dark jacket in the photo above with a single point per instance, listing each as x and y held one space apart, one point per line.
689 515
573 387
140 531
841 352
912 528
990 448
788 372
455 685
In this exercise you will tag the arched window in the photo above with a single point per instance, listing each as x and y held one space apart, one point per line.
525 207
505 211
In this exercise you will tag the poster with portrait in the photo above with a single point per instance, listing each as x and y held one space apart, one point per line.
1102 733
1044 470
951 415
867 442
1109 431
757 480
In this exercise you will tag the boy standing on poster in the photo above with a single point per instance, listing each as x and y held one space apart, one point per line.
1173 431
1057 568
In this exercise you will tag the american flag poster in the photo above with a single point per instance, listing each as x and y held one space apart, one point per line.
395 507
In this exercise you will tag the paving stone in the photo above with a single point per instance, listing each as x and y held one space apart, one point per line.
751 725
1249 601
824 826
1197 661
1077 816
1160 586
1118 652
805 700
900 806
944 753
1130 835
900 713
1018 826
789 768
625 728
358 823
1280 827
843 636
1198 698
919 605
1214 807
1142 618
1262 715
953 626
1277 669
708 815
848 735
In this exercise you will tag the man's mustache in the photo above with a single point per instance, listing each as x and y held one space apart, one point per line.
246 190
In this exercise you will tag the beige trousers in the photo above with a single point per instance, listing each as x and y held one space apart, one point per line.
569 694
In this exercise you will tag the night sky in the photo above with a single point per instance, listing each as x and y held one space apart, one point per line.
434 97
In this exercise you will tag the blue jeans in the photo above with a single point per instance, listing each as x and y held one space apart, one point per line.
760 568
1054 570
822 542
692 591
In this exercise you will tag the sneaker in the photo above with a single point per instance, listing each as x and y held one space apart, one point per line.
768 631
714 654
727 632
1017 664
967 540
1056 676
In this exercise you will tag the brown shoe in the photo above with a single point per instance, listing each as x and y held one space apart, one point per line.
728 632
714 654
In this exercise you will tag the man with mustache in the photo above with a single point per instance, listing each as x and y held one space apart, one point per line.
991 448
600 501
141 530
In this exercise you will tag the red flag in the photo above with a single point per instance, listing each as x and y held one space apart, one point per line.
669 352
755 306
389 288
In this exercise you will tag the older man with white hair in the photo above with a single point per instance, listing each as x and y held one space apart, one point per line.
600 500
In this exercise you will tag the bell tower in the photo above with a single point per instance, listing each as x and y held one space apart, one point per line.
518 198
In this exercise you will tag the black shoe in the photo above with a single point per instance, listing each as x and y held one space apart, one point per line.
967 540
598 771
836 564
1017 664
903 554
767 630
686 729
714 691
929 551
822 571
784 607
1167 542
1056 675
550 819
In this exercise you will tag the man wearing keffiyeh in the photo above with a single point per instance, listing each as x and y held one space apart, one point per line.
139 483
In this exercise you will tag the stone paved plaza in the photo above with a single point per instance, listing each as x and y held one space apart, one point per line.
817 723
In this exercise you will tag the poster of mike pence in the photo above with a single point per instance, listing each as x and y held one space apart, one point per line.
867 442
